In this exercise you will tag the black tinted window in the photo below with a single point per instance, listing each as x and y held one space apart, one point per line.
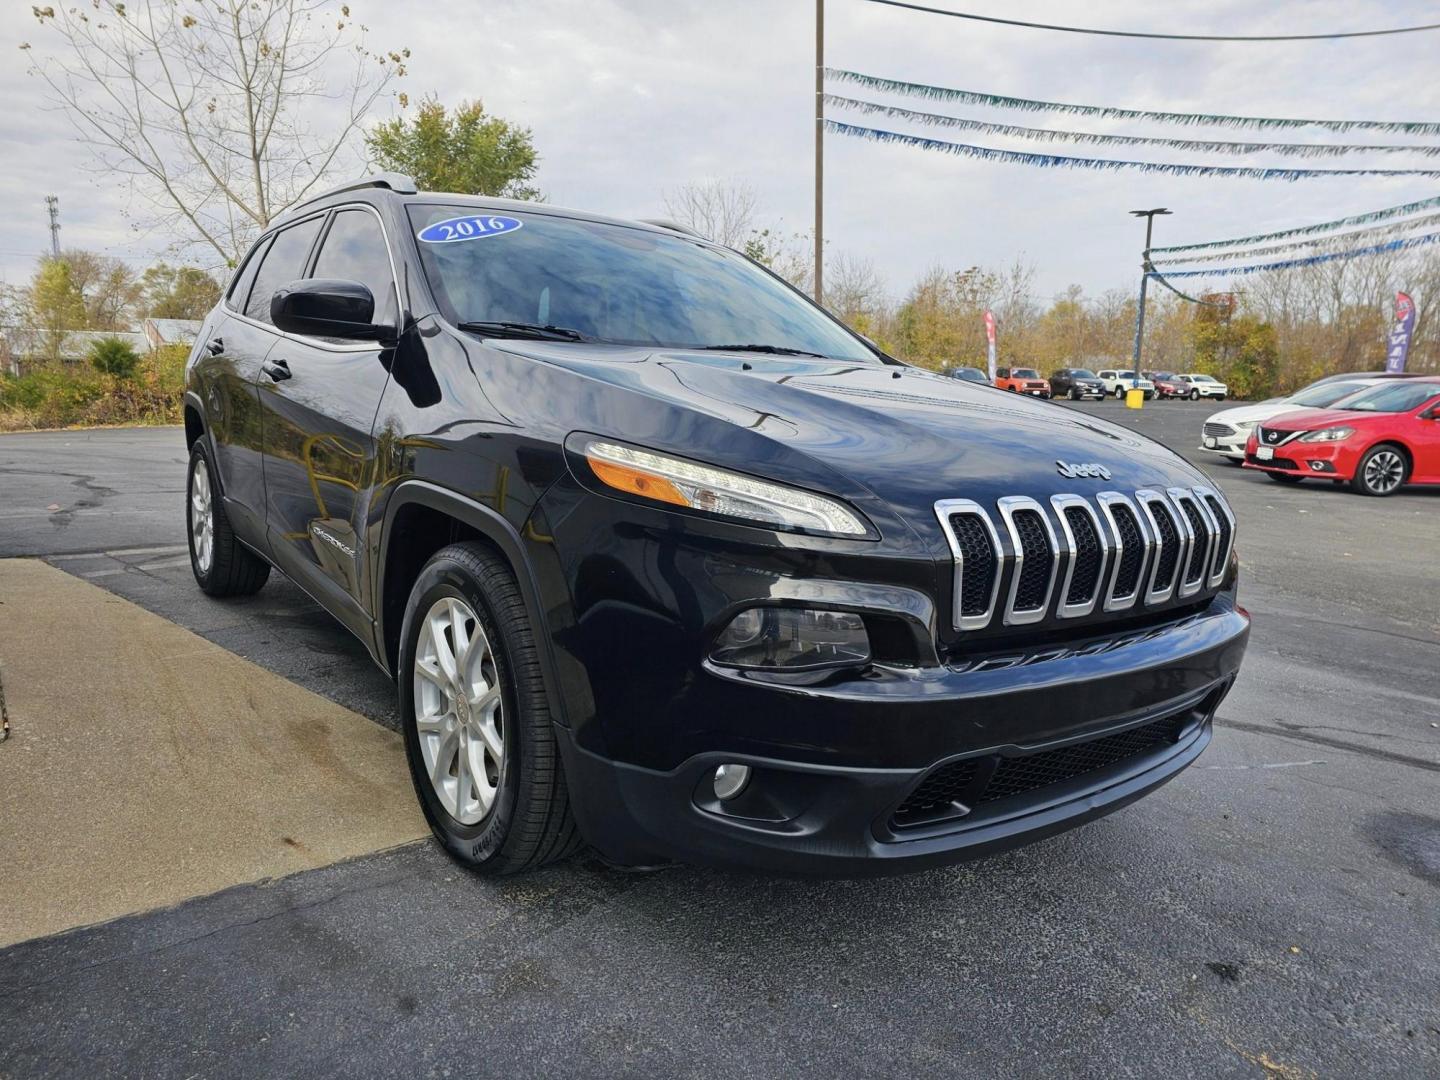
240 287
354 249
282 264
613 283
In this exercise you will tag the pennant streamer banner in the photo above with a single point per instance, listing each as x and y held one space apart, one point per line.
1330 256
1060 161
1309 230
972 97
1306 150
1158 277
1375 233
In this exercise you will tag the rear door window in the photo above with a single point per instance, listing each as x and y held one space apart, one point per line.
283 263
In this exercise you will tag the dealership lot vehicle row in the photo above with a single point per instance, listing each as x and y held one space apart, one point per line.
1274 908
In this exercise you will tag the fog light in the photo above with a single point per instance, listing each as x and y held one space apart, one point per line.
792 639
730 780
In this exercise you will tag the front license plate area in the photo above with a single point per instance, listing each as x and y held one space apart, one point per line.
1264 453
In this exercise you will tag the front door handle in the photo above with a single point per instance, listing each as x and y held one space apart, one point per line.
278 370
216 346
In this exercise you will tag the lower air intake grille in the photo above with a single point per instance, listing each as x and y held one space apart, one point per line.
1131 559
978 563
1086 578
965 783
1034 583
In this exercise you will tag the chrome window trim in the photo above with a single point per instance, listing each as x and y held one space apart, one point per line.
1061 503
1146 498
315 342
1106 500
1007 507
1180 496
943 510
1221 561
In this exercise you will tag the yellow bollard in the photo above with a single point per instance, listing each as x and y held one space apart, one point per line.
1134 399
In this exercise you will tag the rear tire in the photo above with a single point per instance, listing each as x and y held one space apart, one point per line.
222 565
1382 471
516 815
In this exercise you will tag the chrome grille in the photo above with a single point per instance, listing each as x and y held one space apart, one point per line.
1217 429
1019 562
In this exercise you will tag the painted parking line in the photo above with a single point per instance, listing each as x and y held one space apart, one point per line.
147 765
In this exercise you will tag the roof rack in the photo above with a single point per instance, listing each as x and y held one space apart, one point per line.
396 182
673 226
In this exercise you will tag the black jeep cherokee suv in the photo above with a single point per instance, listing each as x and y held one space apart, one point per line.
663 557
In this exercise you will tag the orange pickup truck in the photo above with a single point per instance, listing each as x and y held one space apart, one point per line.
1022 380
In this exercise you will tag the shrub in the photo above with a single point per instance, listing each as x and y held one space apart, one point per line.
111 356
68 395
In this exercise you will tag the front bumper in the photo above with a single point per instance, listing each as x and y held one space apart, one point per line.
832 809
1327 461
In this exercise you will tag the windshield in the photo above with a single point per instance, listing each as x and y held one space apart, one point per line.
1393 398
613 284
1201 378
1083 373
1167 375
1024 373
1318 397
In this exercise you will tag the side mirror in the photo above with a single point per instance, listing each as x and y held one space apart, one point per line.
327 307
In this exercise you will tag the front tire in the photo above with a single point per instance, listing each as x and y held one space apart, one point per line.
476 718
1284 478
1074 394
1382 471
222 565
1194 395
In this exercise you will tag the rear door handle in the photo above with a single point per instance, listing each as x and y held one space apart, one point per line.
278 370
216 346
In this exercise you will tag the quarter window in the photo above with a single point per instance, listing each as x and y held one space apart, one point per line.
282 264
240 288
354 250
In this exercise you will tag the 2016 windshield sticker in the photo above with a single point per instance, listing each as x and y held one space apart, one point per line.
469 227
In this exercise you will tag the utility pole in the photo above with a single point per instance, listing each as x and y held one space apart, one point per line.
819 149
52 207
1145 271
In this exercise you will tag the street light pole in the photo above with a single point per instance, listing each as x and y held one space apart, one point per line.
1145 271
819 148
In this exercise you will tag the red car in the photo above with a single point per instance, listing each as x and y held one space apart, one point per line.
1377 439
1168 384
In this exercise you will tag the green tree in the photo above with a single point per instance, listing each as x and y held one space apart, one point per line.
1241 352
465 151
56 304
178 292
112 356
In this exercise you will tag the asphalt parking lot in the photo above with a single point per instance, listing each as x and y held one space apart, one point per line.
1273 912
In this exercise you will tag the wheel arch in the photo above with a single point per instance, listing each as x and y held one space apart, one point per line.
429 517
194 415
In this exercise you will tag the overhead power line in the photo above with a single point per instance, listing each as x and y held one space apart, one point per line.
896 112
1154 35
1109 112
1309 230
1062 161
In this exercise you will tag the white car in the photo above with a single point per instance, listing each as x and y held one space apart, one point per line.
1117 382
1204 386
1227 431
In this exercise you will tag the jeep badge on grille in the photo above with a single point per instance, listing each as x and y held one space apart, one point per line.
1099 472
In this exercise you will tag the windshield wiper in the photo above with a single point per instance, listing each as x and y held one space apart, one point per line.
774 350
524 330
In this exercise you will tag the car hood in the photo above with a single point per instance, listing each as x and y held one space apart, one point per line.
1250 414
907 435
1308 419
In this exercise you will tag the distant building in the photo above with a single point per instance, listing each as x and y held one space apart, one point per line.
20 346
161 332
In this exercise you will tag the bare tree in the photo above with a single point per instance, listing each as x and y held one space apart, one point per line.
854 290
719 210
222 113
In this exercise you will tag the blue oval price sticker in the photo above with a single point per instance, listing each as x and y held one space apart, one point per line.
469 227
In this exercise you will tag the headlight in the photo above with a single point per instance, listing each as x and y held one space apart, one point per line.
1244 425
717 491
1329 434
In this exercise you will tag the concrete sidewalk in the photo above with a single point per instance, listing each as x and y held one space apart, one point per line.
147 765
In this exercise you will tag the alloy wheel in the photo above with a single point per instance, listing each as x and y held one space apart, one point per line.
202 516
1384 471
458 710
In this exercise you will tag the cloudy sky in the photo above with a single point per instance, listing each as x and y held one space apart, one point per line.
629 98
